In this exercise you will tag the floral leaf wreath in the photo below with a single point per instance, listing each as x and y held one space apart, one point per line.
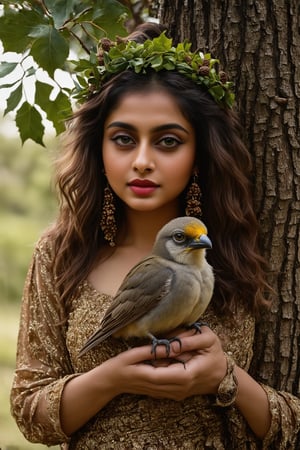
157 54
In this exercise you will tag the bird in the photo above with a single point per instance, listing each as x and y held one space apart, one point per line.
170 288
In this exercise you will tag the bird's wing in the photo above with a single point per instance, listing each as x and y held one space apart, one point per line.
141 290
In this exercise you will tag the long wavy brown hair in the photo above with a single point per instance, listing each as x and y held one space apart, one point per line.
224 166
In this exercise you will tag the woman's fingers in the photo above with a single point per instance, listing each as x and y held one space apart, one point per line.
188 342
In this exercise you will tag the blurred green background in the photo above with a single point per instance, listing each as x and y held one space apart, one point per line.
27 206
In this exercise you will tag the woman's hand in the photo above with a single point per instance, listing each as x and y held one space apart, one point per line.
195 367
203 369
200 368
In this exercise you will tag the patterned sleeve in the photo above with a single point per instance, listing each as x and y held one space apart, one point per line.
43 365
285 410
285 424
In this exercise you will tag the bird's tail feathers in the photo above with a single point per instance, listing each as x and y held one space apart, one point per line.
94 340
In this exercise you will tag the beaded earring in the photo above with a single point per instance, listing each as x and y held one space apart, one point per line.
193 195
108 220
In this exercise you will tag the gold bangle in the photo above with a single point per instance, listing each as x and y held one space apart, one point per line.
228 387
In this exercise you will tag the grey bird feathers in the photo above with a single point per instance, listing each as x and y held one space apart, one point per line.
168 289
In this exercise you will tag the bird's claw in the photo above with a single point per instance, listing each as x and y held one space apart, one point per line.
166 342
197 326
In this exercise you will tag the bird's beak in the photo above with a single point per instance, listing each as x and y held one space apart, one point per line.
202 242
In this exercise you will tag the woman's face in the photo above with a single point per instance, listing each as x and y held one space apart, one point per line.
148 150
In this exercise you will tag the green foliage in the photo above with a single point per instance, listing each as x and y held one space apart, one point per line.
29 122
156 54
44 33
28 205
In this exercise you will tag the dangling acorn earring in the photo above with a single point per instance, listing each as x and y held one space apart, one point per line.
108 220
193 195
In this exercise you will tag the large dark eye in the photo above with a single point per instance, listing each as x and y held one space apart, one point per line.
179 237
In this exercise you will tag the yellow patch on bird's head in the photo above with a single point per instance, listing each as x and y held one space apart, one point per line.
194 230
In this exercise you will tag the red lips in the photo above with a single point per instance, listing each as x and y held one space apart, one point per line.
142 183
142 188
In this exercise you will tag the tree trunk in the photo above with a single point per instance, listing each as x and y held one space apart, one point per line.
258 43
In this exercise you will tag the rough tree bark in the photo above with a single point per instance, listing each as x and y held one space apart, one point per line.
258 42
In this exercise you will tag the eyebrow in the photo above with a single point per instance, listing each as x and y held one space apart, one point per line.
166 126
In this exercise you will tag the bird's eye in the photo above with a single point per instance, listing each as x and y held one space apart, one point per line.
179 237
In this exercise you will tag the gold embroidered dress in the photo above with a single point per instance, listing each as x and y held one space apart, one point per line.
47 358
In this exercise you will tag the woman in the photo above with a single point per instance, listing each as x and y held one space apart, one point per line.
148 147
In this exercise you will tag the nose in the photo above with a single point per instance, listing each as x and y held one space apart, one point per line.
143 158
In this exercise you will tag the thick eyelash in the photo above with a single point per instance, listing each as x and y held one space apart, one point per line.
119 137
161 142
175 140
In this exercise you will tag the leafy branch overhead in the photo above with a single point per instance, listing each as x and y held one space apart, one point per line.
43 34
